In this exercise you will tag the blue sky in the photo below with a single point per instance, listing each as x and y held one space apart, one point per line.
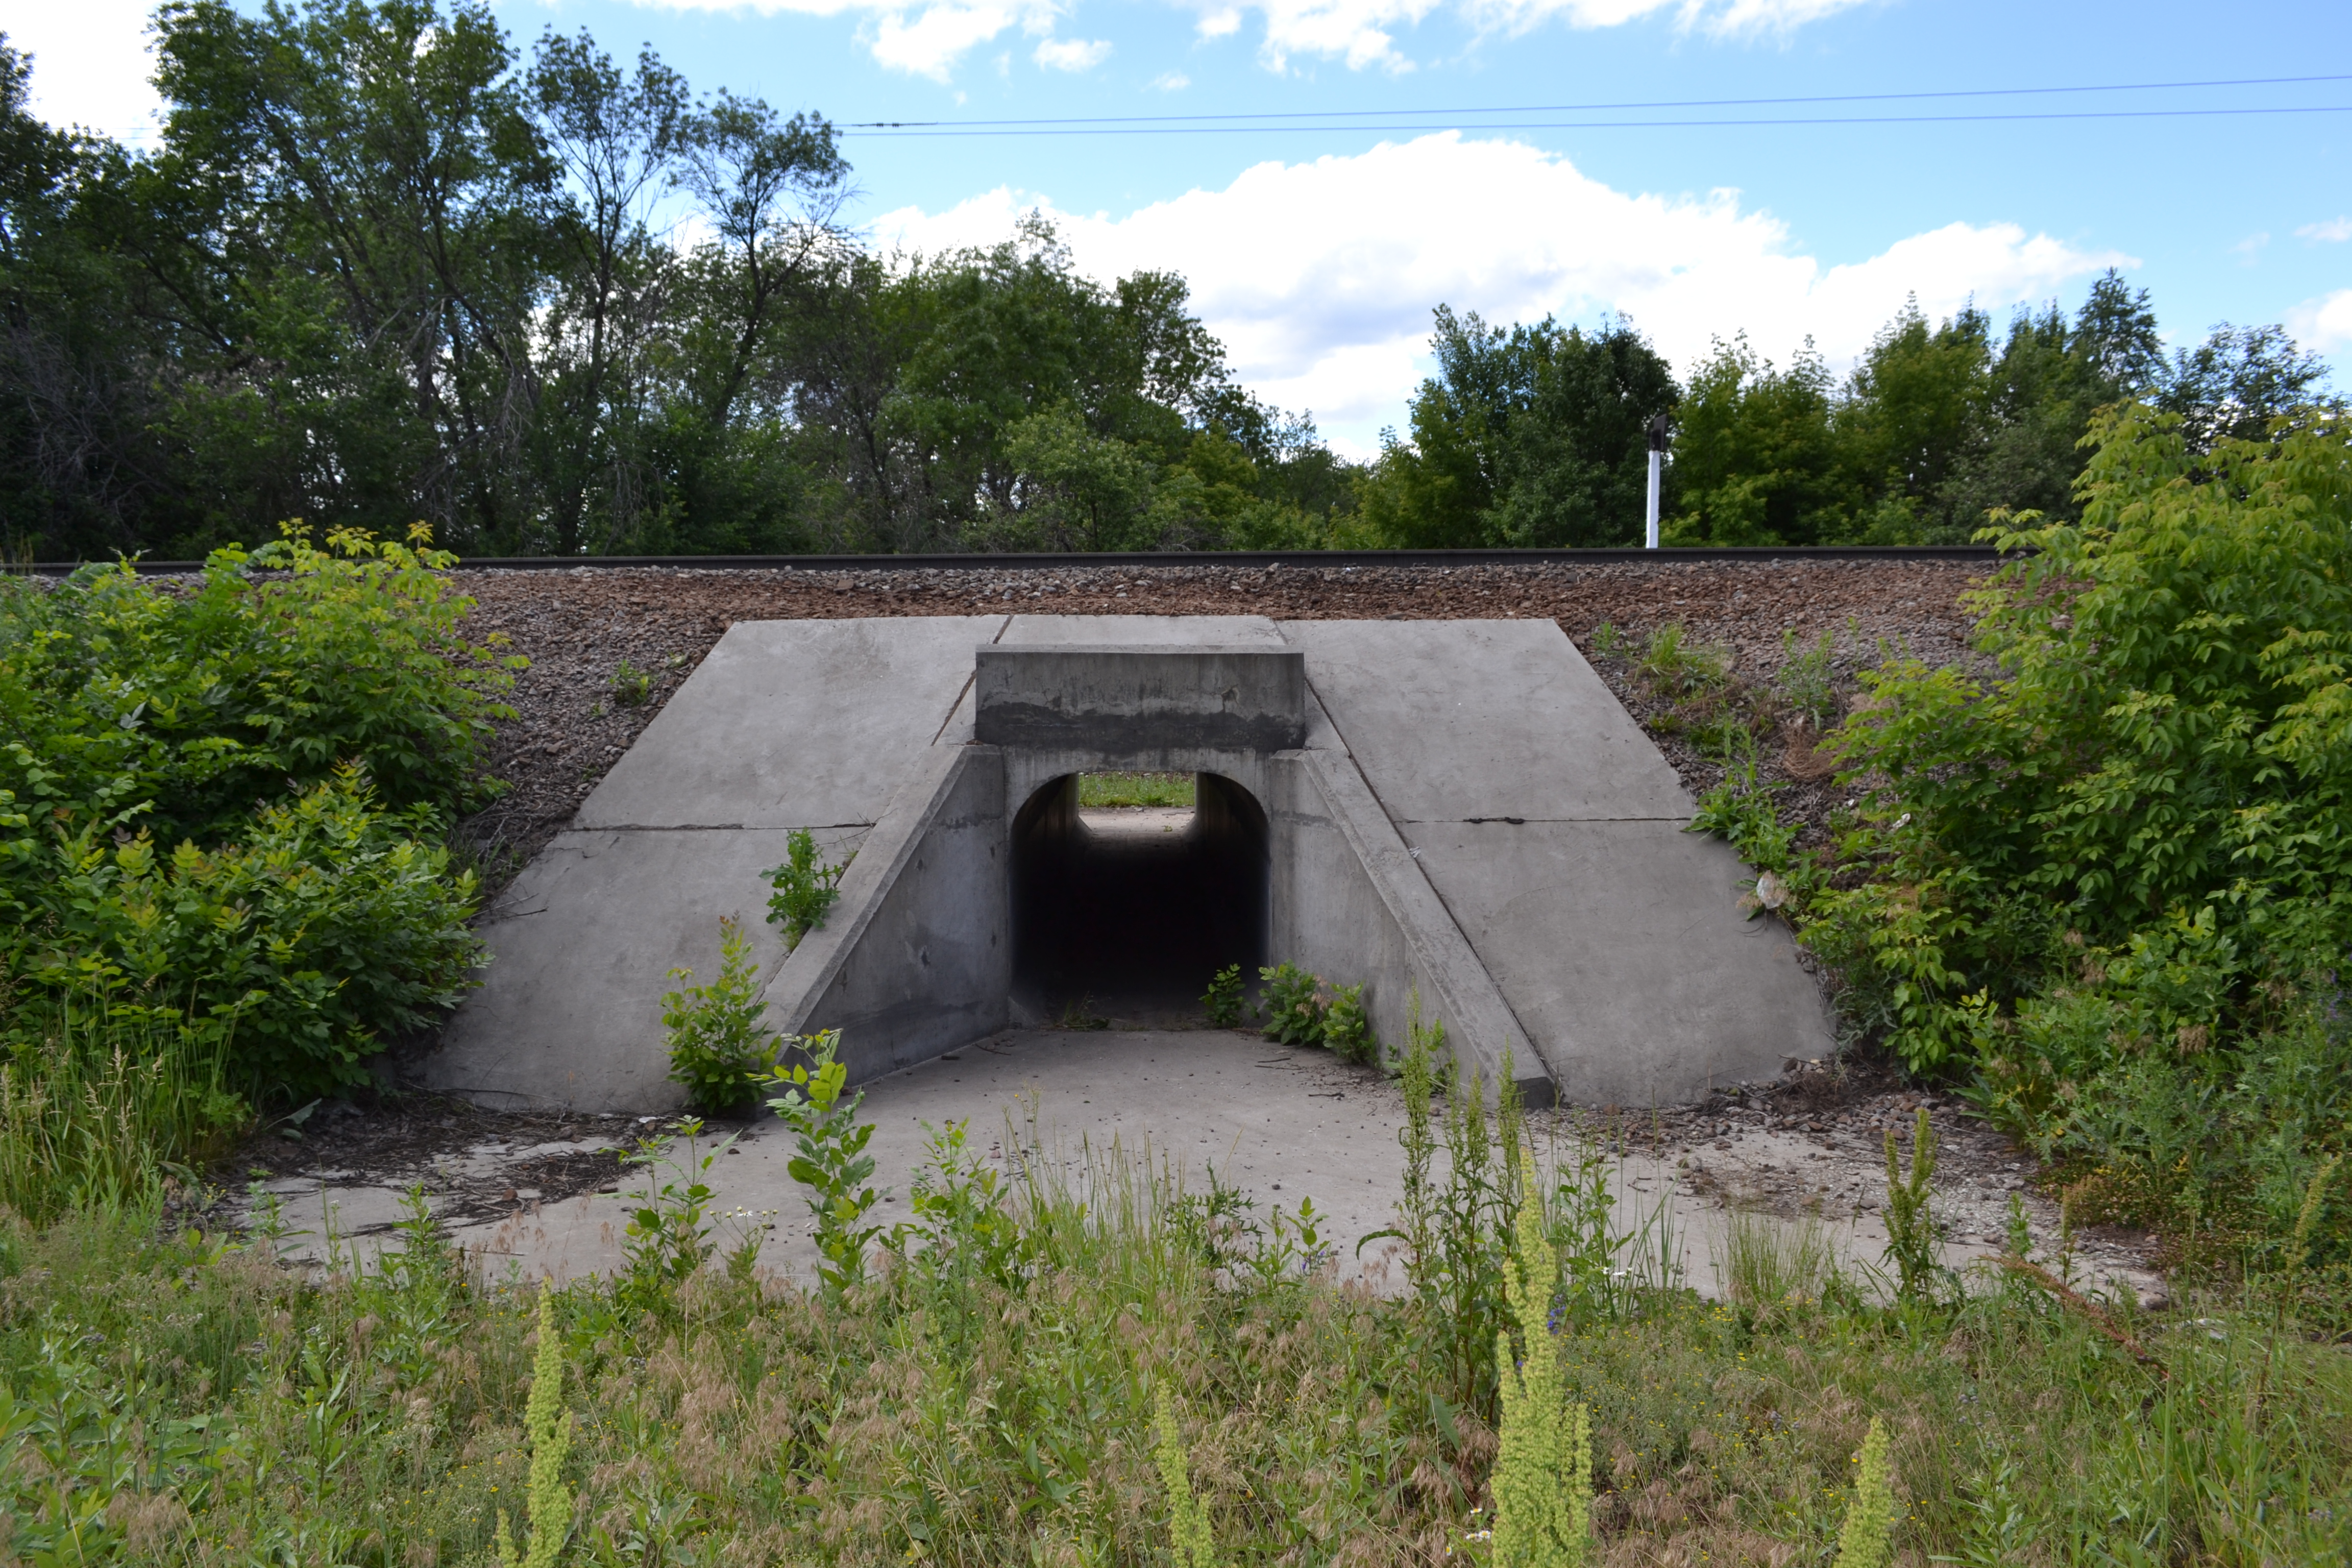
1317 253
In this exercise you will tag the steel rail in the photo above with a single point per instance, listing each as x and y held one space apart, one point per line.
1142 559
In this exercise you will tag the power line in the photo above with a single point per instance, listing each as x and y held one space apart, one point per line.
1608 108
1113 128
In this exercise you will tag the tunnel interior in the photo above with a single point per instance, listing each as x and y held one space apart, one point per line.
1128 915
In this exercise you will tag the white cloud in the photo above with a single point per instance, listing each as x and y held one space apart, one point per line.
91 65
1362 32
1072 53
1320 280
2249 250
1171 81
1354 30
932 43
2334 229
2324 323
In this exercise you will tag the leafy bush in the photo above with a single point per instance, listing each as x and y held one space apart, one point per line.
2171 737
1294 1011
124 701
805 887
719 1043
331 925
1348 1028
2110 884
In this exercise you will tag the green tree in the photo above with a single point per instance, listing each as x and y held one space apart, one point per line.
1913 415
1757 456
1533 435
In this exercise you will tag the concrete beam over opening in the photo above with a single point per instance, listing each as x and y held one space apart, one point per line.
1126 697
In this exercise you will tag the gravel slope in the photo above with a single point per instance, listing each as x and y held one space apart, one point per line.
576 626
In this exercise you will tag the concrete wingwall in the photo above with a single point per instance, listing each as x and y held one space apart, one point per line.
916 957
1351 905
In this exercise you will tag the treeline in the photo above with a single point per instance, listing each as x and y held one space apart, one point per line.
1537 435
382 267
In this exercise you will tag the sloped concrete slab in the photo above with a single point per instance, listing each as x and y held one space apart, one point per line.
581 945
1552 828
1452 719
1622 949
795 724
786 725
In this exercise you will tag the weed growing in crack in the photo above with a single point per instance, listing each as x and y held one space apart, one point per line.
1224 1001
806 887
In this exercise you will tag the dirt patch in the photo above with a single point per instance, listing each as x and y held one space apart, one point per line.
475 1164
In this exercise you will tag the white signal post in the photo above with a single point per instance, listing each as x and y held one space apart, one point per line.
1658 427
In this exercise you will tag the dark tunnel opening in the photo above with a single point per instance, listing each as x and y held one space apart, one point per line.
1134 922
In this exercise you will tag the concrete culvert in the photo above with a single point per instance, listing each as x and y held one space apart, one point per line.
1128 912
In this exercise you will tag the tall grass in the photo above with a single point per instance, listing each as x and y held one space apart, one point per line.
99 1107
991 1396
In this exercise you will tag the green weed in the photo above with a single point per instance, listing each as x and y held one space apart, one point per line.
630 686
806 887
1293 1005
1914 1238
1224 1000
1769 1263
1808 683
814 1100
1348 1028
719 1043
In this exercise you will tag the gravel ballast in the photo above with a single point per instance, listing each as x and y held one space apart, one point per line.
577 625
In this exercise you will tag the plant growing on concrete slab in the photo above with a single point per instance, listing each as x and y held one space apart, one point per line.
719 1043
1348 1028
805 887
831 1161
668 1235
1294 1010
1224 998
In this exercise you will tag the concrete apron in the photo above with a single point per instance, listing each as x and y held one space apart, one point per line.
1456 813
1280 1125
